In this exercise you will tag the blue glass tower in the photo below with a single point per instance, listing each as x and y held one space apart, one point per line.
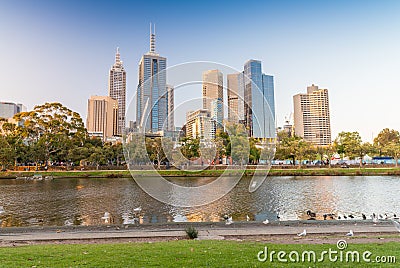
259 106
151 107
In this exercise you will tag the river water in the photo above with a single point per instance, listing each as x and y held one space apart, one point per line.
84 201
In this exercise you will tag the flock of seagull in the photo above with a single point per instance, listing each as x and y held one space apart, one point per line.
312 216
129 219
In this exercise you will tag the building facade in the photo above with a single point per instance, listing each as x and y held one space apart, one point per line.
251 100
151 109
213 98
102 117
312 117
170 108
199 124
235 98
9 109
117 90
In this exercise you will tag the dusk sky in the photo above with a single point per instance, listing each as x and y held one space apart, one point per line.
62 50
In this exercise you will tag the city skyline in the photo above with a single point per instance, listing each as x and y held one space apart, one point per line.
348 47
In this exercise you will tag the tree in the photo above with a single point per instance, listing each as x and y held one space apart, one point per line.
349 144
52 126
393 149
386 137
240 147
6 153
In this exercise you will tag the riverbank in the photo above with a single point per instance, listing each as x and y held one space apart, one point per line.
208 173
318 232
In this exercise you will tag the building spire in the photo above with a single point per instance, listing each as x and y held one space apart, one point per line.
153 39
117 57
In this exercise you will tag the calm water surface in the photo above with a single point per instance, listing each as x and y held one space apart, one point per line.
84 201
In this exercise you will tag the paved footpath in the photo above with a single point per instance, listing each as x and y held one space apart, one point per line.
170 231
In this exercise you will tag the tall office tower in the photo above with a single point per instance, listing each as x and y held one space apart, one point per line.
259 106
170 108
151 109
235 98
311 116
199 124
213 98
102 117
9 109
117 90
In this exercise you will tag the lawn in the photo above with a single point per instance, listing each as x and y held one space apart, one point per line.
184 253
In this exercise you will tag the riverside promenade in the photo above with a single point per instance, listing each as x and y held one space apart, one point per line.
279 232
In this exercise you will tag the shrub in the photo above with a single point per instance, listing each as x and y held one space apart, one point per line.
191 232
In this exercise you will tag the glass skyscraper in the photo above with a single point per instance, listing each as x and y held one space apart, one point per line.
151 109
259 103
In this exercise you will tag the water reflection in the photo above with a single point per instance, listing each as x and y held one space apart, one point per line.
85 201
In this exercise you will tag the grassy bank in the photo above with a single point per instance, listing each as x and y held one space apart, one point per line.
210 173
183 253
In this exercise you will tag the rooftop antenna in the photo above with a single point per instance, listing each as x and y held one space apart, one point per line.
153 39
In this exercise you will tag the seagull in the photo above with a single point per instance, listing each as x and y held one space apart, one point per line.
350 233
229 221
68 223
396 224
375 219
266 221
247 218
138 209
106 217
304 233
2 210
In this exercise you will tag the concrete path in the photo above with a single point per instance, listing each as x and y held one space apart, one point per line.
206 231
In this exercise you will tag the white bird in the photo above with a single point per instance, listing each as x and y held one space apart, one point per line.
247 218
375 220
397 225
106 217
2 210
266 221
138 209
68 223
229 221
304 233
350 233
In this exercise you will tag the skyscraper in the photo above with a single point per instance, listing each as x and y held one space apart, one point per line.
151 109
170 108
213 98
199 124
117 90
102 117
312 117
235 98
259 103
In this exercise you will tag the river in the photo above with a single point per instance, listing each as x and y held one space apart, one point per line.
84 201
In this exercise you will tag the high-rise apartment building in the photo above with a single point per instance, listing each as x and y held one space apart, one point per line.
117 90
311 116
213 98
152 103
235 98
170 108
9 109
102 117
199 124
251 100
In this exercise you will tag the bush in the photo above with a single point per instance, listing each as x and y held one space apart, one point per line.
191 232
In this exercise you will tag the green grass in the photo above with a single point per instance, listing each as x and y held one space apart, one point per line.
185 253
212 173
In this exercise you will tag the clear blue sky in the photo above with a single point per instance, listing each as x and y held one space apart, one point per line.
62 50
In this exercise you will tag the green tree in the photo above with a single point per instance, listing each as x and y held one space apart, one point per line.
52 126
349 144
6 153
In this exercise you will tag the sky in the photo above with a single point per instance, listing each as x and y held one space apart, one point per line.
61 51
